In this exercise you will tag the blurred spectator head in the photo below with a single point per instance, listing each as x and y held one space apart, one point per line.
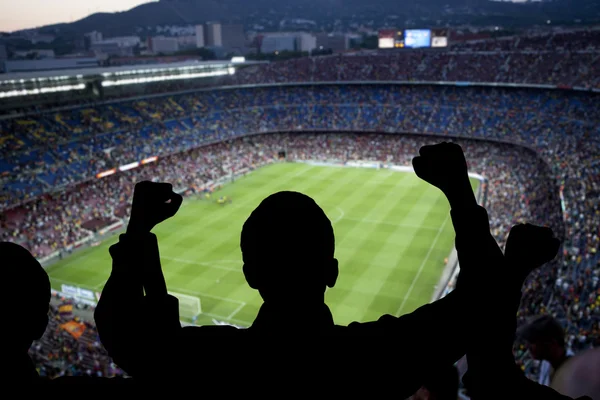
28 286
288 249
545 338
580 376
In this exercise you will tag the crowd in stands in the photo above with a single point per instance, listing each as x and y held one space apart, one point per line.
71 346
558 41
50 196
519 188
541 68
46 151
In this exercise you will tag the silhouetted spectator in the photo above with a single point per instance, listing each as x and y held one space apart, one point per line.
545 338
493 373
288 252
28 315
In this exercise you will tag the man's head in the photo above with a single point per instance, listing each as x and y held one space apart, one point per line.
545 338
288 249
28 289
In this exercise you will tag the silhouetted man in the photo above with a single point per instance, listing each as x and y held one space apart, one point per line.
288 253
492 372
26 316
545 338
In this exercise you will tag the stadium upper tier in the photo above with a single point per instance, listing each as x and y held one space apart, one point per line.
550 59
556 67
42 152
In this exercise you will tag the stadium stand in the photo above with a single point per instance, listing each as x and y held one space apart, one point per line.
538 148
71 346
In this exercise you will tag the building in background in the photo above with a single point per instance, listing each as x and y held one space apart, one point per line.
163 45
213 35
50 64
333 42
278 43
3 57
33 54
234 37
123 46
3 53
186 42
306 42
199 36
93 37
287 41
108 48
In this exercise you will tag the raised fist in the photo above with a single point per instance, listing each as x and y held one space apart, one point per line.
153 202
442 165
528 247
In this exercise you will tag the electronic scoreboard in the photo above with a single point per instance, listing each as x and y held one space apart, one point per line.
413 38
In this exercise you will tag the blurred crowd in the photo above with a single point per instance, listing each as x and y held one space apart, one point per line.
565 59
71 345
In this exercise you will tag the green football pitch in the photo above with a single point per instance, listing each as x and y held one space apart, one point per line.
392 230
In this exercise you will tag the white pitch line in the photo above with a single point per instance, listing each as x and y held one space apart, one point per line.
220 317
339 218
303 171
204 264
70 283
98 286
210 296
237 310
412 285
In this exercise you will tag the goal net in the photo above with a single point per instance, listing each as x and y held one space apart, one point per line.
189 306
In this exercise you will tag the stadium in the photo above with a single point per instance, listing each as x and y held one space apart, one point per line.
342 129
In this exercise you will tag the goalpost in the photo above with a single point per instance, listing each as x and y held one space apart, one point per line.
189 306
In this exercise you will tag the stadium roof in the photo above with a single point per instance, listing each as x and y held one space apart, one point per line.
111 70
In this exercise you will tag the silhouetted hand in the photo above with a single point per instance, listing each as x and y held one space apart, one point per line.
153 202
443 165
528 247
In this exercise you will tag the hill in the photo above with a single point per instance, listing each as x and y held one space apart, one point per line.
327 13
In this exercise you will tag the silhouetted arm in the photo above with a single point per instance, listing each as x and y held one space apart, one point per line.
122 312
439 333
492 372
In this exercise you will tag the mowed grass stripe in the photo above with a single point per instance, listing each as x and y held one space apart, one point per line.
384 246
427 251
350 298
390 264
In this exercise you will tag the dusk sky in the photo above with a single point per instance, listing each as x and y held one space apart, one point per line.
22 14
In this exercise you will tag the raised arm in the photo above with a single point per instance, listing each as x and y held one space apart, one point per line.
123 311
493 373
437 333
